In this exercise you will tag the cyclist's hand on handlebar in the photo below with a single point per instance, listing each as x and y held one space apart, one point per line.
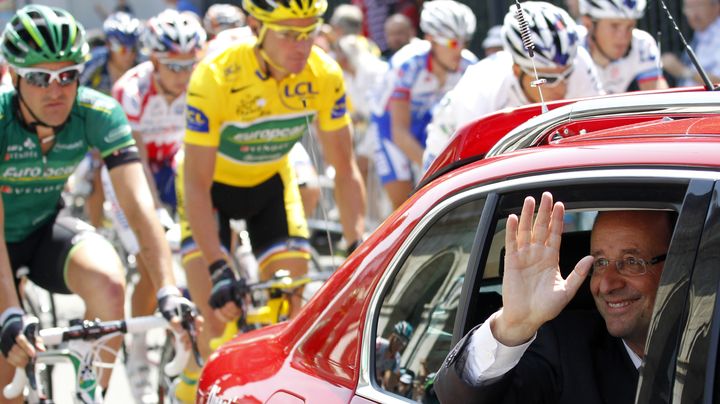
15 346
227 293
180 312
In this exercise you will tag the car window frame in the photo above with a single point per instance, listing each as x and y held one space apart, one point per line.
670 313
366 387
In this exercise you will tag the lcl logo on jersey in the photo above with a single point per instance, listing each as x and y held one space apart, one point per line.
196 120
302 89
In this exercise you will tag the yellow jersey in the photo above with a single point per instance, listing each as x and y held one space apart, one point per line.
253 119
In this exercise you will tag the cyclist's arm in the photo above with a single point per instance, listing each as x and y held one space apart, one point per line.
659 84
135 199
401 135
349 187
22 350
142 151
198 169
8 297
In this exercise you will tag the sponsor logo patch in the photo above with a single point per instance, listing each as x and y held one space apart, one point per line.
339 109
196 120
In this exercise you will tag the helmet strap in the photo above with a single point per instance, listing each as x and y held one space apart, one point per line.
32 126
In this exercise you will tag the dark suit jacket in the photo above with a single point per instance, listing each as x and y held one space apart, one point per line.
572 360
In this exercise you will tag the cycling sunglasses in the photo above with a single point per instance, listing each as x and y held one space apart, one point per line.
296 34
118 47
43 77
178 66
452 43
551 79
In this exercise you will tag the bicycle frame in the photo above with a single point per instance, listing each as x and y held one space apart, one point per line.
85 342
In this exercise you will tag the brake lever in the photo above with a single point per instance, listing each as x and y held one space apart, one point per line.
31 332
188 323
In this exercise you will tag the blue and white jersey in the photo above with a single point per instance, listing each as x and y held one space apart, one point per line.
96 75
706 45
642 63
411 79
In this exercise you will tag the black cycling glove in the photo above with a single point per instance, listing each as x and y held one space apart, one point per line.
225 286
172 303
11 325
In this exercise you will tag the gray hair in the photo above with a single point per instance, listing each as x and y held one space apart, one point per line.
348 18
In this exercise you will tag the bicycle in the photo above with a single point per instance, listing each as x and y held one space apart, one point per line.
85 341
273 310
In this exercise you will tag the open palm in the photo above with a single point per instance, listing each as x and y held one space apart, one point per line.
534 290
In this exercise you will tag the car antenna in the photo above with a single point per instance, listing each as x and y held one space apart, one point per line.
529 47
314 140
691 54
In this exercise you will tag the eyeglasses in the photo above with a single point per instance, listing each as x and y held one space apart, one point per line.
43 77
178 66
452 43
295 34
118 47
628 266
551 79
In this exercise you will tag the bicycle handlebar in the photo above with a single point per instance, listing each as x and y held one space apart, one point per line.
93 330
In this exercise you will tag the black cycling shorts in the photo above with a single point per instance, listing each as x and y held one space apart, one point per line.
46 252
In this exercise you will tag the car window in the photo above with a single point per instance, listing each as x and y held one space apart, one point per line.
575 245
415 326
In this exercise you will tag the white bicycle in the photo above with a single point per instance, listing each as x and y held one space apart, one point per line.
85 342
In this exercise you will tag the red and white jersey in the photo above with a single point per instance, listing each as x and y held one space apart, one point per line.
161 125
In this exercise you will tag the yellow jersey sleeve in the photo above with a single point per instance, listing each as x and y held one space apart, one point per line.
202 114
333 112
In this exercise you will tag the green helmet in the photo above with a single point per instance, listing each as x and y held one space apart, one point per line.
41 34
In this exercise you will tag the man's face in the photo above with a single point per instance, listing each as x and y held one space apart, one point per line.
398 33
288 43
701 13
397 343
174 71
123 56
448 52
51 104
553 90
613 36
626 302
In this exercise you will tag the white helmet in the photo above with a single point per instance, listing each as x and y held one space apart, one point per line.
447 19
622 9
552 31
174 32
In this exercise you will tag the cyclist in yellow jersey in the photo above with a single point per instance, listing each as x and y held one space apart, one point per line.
246 108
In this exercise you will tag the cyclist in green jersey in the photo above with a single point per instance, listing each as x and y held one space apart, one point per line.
48 122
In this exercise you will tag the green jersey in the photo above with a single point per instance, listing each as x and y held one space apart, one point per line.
31 183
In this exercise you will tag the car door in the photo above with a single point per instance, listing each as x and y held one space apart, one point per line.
466 262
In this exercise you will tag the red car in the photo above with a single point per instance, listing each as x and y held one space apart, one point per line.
434 267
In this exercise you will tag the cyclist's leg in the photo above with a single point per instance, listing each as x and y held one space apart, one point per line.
395 171
142 301
279 232
199 285
307 178
75 259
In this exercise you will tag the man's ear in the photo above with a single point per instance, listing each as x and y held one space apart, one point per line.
587 22
155 61
254 25
516 70
14 78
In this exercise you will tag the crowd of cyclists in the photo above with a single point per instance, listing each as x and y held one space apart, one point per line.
199 121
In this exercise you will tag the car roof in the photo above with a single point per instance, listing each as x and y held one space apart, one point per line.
503 130
683 143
